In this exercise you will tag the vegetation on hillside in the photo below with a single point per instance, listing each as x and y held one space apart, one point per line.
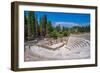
43 28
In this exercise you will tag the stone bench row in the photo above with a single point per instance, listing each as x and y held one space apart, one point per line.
74 42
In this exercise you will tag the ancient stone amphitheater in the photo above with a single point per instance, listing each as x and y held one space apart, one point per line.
76 48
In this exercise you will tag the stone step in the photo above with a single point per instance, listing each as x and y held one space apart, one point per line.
75 42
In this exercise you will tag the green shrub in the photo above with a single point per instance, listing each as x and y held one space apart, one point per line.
54 34
60 35
65 33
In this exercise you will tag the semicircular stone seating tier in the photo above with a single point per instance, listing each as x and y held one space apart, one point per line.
77 43
75 48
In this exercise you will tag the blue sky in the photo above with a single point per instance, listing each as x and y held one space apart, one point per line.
54 17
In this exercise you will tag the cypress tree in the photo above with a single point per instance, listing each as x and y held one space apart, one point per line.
31 24
44 23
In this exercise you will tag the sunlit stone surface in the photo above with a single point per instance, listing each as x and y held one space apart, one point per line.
76 47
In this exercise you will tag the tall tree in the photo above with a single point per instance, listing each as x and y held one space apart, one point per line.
36 26
49 28
25 26
44 23
31 25
40 26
